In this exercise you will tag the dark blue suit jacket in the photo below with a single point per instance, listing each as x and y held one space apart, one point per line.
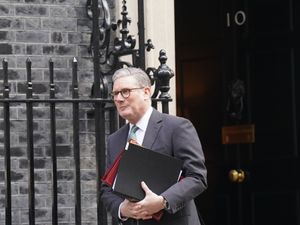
173 136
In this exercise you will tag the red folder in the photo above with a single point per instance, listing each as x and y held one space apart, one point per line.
111 173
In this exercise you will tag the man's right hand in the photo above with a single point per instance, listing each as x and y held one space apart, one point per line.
132 210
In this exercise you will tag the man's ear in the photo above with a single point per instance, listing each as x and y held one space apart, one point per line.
147 91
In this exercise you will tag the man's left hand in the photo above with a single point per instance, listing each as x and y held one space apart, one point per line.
152 203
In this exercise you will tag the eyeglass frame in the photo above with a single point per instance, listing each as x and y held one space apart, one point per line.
114 94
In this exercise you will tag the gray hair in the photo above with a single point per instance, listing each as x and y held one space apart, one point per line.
141 78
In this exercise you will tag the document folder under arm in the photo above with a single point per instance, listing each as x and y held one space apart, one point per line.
137 164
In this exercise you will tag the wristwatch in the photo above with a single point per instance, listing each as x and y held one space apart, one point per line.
165 204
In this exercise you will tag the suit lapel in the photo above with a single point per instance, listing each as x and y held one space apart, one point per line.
152 129
122 136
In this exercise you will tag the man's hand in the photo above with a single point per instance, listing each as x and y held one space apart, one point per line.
130 209
152 203
145 208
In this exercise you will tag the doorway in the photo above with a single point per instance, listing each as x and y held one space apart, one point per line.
255 43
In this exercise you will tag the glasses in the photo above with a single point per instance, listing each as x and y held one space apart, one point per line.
124 92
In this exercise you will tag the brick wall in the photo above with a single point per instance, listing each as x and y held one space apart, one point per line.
40 30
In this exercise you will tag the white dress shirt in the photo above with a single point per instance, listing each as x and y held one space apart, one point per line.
142 125
140 134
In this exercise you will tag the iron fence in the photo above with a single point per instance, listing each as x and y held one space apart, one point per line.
52 101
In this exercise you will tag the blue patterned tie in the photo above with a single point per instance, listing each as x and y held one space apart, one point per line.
132 134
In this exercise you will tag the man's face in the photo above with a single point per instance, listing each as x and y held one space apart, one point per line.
136 104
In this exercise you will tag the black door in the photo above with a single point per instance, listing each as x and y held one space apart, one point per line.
250 47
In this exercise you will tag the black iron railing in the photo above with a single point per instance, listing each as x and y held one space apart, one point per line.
52 101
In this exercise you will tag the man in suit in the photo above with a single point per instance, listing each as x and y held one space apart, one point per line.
167 134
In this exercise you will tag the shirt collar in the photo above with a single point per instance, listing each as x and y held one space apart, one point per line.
143 122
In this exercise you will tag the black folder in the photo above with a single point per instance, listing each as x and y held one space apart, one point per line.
158 171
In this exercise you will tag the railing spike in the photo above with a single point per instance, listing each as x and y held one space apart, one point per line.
51 67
